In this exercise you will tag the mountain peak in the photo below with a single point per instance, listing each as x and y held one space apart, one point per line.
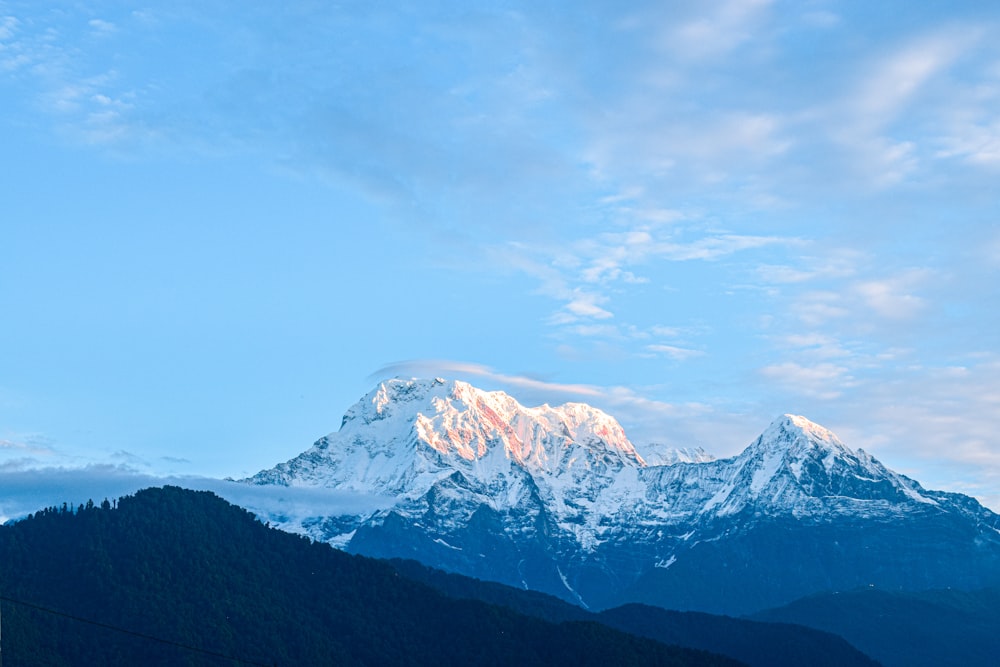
558 499
389 397
797 435
797 446
798 464
407 434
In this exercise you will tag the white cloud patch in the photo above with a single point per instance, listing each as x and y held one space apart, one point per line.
715 247
587 275
892 83
101 27
459 369
721 28
8 25
833 263
28 491
819 345
585 305
30 444
616 257
884 122
817 308
976 142
892 298
823 380
714 148
969 123
938 424
674 352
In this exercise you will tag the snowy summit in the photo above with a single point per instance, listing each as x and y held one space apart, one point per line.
560 494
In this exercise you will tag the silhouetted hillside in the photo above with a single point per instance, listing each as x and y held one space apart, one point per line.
207 578
756 643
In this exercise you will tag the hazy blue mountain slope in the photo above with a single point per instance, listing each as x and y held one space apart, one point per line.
907 629
757 644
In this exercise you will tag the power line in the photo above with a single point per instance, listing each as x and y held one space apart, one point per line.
126 631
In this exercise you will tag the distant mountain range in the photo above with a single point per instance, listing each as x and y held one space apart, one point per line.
176 577
581 549
557 499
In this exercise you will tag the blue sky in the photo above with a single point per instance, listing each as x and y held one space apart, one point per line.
220 227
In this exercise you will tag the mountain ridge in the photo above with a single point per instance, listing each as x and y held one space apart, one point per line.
558 499
905 629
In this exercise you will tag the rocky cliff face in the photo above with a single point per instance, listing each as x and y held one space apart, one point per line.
558 499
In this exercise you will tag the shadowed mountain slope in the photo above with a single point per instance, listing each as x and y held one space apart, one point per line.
907 629
758 644
218 587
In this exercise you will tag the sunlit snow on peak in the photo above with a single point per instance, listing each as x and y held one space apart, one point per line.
795 432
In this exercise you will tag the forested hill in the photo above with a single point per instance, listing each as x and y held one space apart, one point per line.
176 577
758 644
907 629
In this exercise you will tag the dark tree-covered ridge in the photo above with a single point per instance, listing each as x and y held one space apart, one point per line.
756 643
195 571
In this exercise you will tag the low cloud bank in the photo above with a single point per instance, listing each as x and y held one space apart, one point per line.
26 491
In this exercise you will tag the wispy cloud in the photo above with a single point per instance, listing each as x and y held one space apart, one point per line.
834 263
822 380
893 297
716 31
129 459
892 82
933 423
584 305
971 124
821 345
674 352
452 369
890 119
15 53
102 28
978 143
22 452
29 444
8 26
31 490
584 275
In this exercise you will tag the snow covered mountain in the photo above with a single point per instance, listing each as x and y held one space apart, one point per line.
405 436
656 454
558 499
